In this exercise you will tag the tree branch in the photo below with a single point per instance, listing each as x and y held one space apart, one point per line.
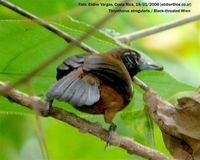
127 38
35 103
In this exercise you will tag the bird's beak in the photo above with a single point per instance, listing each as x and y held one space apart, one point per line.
150 66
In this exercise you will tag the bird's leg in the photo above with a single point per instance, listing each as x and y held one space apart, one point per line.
111 131
48 108
109 116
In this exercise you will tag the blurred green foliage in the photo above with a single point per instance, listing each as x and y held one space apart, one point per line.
24 45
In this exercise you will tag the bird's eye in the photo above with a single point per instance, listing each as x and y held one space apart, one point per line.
134 56
137 56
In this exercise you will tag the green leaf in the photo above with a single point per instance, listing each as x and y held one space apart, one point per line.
77 26
166 85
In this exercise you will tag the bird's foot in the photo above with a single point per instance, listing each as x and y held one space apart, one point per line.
111 131
48 108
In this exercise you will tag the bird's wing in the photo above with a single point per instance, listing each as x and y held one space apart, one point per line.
69 65
76 88
112 71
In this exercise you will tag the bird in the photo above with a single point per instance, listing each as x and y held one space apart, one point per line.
99 83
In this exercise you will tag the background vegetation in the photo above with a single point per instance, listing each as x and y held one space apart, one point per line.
24 45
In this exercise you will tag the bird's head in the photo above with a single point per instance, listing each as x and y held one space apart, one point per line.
135 63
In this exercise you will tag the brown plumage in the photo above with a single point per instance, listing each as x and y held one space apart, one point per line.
99 83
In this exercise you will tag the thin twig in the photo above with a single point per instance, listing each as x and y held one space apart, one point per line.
48 26
41 67
127 38
33 102
140 83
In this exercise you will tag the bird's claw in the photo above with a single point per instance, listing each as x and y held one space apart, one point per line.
111 131
48 108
